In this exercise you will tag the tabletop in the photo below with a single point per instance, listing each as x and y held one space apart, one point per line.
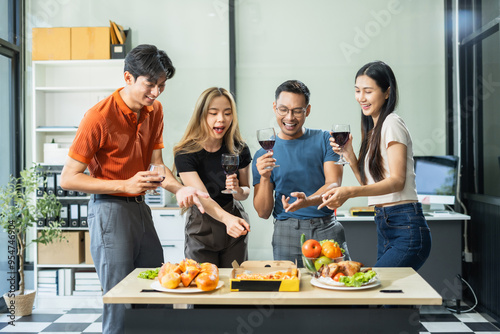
415 291
344 216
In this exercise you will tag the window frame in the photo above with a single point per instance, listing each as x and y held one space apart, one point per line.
472 32
15 51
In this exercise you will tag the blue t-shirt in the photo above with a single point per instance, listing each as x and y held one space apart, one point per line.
301 169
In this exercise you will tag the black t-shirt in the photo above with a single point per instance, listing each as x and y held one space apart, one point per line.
209 168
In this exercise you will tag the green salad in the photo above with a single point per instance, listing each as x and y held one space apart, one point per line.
358 279
149 274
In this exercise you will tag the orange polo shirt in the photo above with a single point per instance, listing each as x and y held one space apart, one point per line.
113 143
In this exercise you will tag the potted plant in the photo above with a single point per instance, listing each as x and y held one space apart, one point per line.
19 211
49 210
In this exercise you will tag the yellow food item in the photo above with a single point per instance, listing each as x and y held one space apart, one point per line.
278 275
206 275
170 280
208 278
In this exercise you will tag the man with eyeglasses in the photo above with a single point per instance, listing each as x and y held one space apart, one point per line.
306 170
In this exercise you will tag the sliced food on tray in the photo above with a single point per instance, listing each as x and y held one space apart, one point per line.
276 275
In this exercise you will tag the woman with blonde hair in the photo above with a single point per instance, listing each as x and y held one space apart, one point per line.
220 235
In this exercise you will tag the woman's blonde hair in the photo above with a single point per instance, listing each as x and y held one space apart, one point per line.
198 132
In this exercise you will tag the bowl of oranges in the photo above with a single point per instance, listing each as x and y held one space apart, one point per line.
316 253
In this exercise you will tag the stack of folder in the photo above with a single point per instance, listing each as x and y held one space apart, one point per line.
117 33
120 40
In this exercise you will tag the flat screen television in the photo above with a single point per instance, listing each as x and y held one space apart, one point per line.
436 179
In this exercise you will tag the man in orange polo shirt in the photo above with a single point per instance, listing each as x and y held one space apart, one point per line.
116 140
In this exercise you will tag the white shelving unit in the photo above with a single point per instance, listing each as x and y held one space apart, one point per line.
50 301
64 301
62 92
76 266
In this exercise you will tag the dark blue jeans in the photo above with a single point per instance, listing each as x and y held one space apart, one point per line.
404 238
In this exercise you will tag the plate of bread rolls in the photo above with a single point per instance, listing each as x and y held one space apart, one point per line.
188 276
182 289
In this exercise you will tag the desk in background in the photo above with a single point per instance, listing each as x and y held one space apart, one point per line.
444 262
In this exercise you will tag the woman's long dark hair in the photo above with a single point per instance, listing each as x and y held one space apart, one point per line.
383 75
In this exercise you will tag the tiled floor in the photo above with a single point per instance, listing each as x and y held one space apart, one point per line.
51 321
437 319
76 321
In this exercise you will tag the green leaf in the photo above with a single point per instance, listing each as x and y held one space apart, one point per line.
358 279
19 210
149 274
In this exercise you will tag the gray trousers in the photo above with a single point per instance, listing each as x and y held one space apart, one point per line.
208 241
287 232
123 238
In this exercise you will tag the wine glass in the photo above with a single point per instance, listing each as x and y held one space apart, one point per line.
230 163
267 138
160 170
340 132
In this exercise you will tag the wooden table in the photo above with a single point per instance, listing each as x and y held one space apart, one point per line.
312 308
444 264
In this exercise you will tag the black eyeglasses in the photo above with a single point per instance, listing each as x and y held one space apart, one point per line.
283 111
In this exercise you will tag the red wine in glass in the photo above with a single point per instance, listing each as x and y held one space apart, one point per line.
267 144
163 178
230 163
160 170
230 169
267 139
341 138
341 132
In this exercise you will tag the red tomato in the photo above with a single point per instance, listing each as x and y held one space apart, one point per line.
336 278
311 248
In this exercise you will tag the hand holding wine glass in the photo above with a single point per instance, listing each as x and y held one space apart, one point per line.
161 171
341 132
230 163
267 139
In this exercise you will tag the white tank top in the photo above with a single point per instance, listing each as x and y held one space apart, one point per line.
395 130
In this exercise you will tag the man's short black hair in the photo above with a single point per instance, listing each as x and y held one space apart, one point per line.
293 86
146 60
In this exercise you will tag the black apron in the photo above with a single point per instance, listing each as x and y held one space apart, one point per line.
208 241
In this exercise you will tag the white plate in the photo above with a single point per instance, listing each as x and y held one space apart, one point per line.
330 281
181 289
371 284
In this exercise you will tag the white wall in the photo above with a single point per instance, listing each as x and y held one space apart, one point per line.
322 43
193 33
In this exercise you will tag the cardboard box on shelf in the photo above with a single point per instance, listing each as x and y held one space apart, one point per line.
88 256
55 153
90 43
264 267
67 251
51 44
